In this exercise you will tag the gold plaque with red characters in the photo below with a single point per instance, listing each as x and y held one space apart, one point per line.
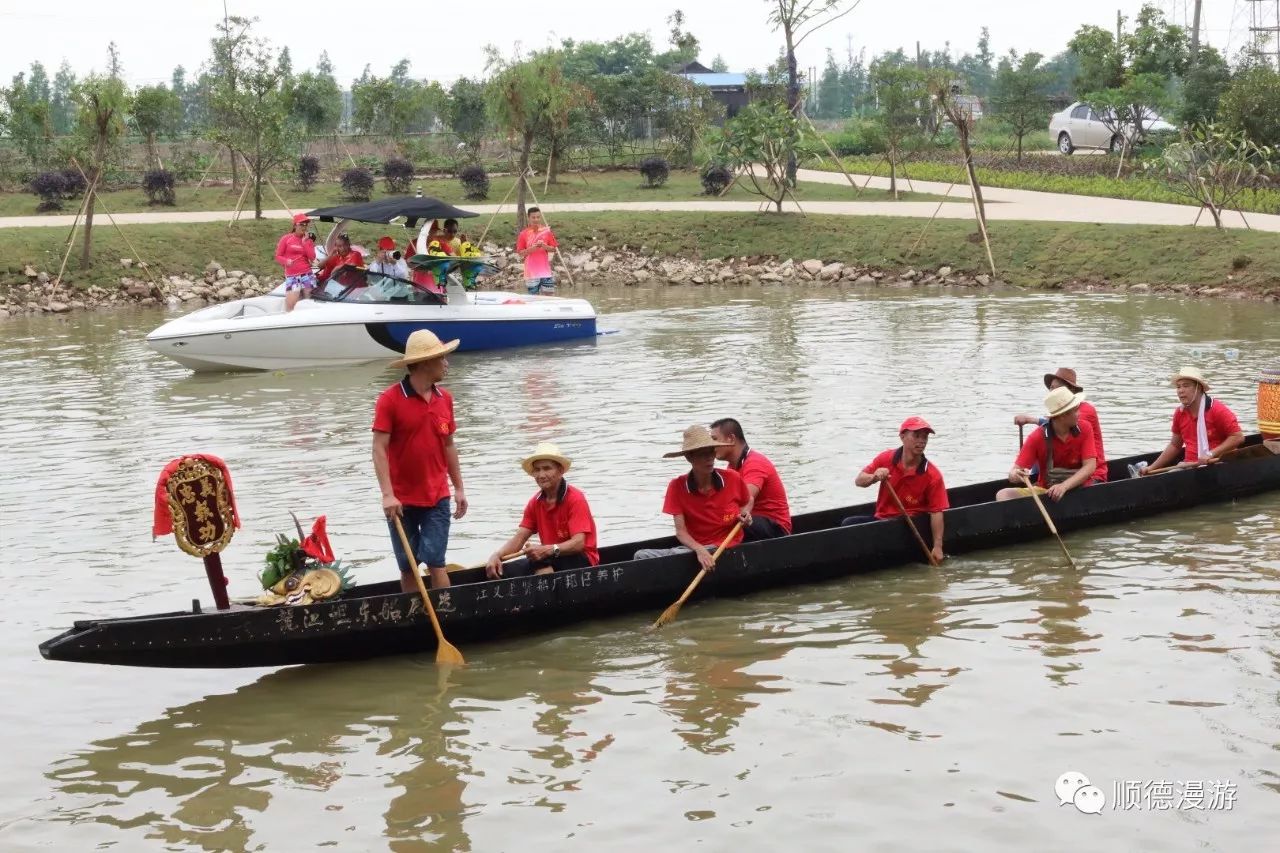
201 506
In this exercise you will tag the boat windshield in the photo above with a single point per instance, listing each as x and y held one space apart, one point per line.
352 284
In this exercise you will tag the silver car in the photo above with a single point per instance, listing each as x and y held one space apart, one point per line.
1078 126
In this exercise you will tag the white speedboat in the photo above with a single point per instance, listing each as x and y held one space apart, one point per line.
360 316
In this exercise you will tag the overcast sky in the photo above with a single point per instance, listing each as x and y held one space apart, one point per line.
153 36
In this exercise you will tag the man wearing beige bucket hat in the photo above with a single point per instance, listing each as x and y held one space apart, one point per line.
1203 428
558 513
1066 377
1063 449
415 458
705 503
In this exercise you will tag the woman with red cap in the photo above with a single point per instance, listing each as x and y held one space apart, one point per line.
296 252
917 481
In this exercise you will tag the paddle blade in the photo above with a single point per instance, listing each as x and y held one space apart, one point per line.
447 653
669 615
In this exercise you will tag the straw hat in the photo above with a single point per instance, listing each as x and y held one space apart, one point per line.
545 450
696 437
1190 373
423 345
1060 401
1064 374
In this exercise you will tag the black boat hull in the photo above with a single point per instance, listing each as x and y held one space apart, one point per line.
377 619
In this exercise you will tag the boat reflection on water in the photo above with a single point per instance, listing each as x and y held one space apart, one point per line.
205 775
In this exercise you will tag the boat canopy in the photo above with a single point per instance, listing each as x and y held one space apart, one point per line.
411 208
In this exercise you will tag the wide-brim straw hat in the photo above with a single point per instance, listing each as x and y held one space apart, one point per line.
545 450
423 345
696 437
1190 373
1065 374
1060 401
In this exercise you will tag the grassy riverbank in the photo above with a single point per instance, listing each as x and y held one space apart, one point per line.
1034 254
586 186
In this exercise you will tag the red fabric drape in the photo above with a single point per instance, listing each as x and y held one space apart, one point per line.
162 521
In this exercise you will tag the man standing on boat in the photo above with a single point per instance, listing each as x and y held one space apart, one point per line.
917 481
1203 428
706 503
1065 377
532 245
1064 450
296 252
770 513
415 458
558 513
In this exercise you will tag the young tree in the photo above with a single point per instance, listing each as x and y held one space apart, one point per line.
526 97
1252 104
28 122
1099 60
156 110
944 92
316 102
104 104
899 90
683 111
259 127
230 47
62 106
1020 97
1203 86
467 115
684 45
1213 167
1128 110
799 19
759 142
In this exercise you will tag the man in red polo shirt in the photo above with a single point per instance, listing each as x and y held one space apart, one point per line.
1064 450
770 513
558 513
1203 428
1066 377
415 458
705 503
917 481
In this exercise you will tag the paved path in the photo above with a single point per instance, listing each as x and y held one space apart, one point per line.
1006 205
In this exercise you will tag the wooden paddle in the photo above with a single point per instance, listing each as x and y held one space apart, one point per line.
893 493
1240 454
446 652
669 615
457 567
1047 520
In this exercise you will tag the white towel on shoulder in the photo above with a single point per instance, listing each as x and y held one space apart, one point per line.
1202 435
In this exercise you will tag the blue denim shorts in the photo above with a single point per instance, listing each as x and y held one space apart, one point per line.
428 530
540 285
302 281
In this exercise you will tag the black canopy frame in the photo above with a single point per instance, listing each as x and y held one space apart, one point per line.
413 209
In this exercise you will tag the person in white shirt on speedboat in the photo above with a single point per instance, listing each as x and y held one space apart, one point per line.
388 261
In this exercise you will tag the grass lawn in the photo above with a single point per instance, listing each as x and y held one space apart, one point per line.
596 186
1034 254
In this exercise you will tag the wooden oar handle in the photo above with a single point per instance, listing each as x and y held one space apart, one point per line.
893 493
725 544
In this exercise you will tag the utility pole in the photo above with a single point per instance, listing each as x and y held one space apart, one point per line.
1195 35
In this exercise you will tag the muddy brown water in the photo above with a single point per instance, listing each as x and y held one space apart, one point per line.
902 710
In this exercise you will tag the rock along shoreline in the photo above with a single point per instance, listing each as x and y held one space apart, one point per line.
591 267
